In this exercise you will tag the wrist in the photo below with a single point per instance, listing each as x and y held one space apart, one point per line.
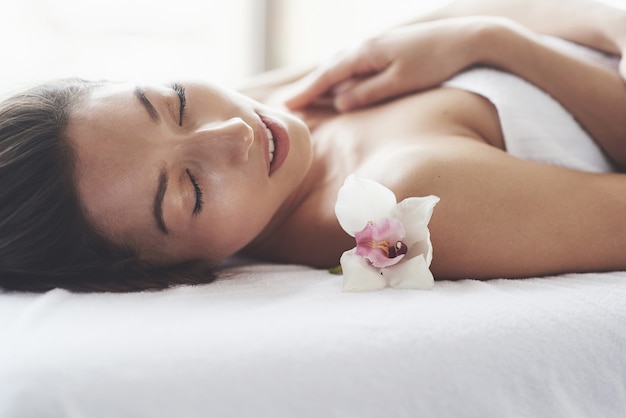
618 36
611 31
473 39
498 42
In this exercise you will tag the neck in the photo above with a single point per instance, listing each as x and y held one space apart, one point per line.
309 185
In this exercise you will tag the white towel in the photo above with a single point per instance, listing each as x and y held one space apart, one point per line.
534 125
284 341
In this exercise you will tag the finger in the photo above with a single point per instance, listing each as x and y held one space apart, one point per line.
322 80
345 85
369 91
318 83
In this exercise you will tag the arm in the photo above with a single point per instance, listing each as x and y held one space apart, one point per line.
587 22
371 72
423 55
594 95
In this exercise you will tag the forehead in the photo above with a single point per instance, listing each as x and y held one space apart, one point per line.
111 176
100 126
103 102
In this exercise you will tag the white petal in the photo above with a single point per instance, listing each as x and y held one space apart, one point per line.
360 201
415 214
410 274
358 275
422 248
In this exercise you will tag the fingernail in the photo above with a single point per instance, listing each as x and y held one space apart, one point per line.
340 88
340 105
343 103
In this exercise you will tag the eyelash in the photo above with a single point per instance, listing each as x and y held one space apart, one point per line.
199 194
182 98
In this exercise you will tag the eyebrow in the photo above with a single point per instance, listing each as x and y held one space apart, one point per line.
157 208
139 93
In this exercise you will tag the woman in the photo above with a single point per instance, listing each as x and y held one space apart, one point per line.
121 187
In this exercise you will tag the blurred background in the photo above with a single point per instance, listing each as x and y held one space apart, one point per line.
219 40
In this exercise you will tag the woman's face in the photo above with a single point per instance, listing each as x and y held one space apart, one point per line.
184 171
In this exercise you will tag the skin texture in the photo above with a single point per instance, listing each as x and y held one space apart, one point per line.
498 216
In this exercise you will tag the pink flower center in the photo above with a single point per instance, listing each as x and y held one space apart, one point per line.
381 242
399 248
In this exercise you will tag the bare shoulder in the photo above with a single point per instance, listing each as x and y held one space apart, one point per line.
407 144
262 87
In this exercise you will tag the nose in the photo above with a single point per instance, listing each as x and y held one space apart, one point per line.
232 138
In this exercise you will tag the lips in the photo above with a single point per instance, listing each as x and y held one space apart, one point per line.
278 143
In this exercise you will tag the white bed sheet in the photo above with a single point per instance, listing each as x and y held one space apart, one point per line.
284 341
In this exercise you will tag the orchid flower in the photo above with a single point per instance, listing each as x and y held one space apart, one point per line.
392 239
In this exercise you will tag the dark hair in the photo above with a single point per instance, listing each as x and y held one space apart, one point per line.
46 240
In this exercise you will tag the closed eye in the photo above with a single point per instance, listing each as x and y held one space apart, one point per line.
199 195
182 98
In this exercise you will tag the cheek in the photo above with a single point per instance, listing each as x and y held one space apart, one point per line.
250 209
225 237
233 218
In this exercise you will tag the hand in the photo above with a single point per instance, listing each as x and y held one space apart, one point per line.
622 46
402 61
616 33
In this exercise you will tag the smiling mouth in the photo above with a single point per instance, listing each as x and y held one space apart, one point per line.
278 142
271 144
